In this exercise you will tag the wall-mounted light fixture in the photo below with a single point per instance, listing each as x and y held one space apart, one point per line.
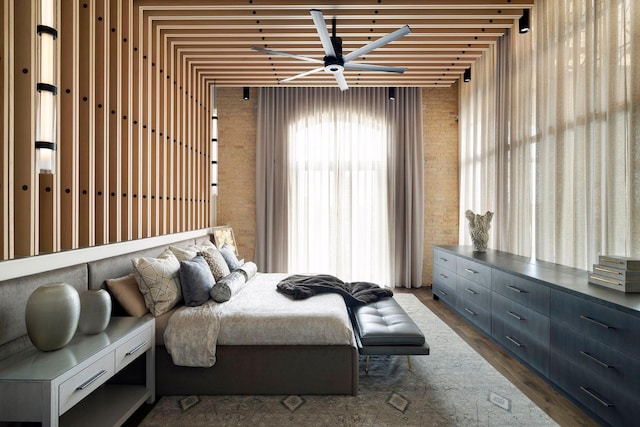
524 22
245 93
392 93
467 75
46 105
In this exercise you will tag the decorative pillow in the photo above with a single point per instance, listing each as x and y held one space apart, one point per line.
217 264
196 281
230 257
183 254
228 286
125 290
159 281
249 269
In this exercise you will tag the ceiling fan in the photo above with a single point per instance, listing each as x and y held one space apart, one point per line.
333 61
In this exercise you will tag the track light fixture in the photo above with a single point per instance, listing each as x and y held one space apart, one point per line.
467 75
392 93
245 93
525 21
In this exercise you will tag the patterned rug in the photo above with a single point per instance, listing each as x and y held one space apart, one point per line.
453 386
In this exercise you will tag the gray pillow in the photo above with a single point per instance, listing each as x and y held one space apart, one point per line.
230 257
228 286
196 280
249 269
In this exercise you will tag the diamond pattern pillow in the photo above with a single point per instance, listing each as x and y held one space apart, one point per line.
159 281
217 264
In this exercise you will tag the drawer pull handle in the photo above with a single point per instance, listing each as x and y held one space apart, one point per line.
444 259
135 349
468 270
471 291
513 341
443 292
444 275
596 397
518 290
595 359
468 310
512 314
603 325
91 380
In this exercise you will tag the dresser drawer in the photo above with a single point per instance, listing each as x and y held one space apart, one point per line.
526 292
522 331
130 350
445 293
611 327
614 405
474 271
79 386
444 276
474 292
476 314
613 368
444 259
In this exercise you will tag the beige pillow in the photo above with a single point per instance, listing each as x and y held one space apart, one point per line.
125 290
159 281
183 254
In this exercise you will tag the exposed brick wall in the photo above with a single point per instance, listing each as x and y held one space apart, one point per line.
236 204
237 159
441 201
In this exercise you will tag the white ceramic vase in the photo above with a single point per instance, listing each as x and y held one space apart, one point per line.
95 311
52 315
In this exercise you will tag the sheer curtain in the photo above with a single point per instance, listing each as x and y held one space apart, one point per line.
338 183
567 174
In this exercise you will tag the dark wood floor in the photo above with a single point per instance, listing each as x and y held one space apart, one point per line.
542 394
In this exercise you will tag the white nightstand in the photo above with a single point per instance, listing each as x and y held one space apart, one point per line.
67 386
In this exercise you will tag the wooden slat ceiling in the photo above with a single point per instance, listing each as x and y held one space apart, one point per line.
214 38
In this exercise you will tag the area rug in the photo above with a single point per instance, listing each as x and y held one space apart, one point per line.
453 386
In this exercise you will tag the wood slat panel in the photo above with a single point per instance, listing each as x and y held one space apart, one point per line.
6 135
25 184
86 125
115 124
128 56
101 107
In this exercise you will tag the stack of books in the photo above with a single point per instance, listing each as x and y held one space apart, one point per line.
619 273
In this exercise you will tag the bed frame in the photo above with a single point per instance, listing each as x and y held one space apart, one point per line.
256 370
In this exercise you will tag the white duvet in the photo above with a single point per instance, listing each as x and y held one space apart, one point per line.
256 315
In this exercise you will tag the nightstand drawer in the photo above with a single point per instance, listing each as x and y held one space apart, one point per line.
474 271
130 350
84 382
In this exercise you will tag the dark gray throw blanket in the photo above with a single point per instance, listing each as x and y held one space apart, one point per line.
355 293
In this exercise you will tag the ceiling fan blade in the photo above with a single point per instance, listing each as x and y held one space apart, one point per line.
321 28
371 67
342 82
378 43
288 55
306 73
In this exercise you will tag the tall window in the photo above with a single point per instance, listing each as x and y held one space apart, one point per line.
337 197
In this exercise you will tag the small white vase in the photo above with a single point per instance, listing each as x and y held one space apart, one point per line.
95 311
52 315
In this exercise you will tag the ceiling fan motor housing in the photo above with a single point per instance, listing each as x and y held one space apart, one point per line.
334 64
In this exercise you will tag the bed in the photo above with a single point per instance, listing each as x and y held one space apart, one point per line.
261 346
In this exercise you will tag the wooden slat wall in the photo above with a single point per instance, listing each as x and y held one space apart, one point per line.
6 135
133 131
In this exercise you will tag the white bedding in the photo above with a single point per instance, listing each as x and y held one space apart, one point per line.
257 315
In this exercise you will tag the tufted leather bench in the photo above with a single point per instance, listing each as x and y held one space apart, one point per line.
384 328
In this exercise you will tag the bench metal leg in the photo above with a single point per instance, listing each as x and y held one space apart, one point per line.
409 362
366 366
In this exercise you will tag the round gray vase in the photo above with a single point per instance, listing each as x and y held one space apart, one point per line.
95 311
52 315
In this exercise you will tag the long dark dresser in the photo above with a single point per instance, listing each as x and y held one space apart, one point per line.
581 338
